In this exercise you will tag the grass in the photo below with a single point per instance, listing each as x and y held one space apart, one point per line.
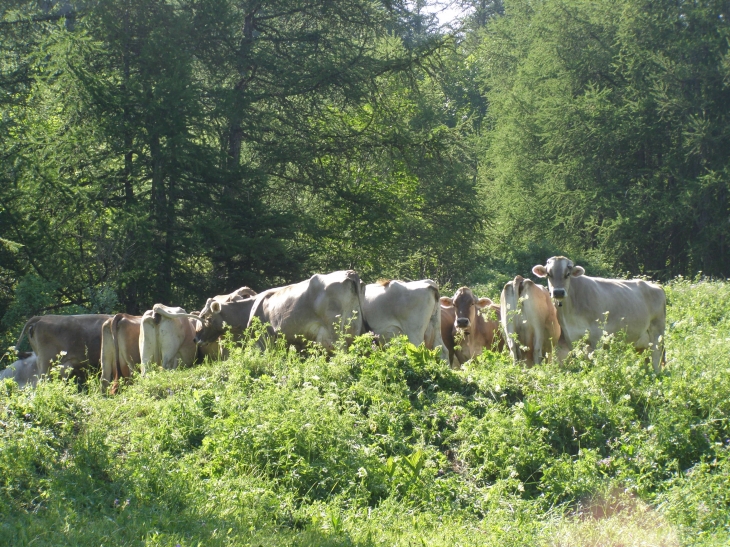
386 447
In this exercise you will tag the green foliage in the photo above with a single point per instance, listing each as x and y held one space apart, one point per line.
609 132
32 296
698 499
170 151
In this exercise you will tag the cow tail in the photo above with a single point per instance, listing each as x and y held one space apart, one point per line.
117 365
434 323
664 343
509 312
353 276
29 327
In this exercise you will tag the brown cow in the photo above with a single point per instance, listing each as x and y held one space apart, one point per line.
119 348
463 328
73 340
219 311
529 320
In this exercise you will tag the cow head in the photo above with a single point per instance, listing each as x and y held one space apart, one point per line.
210 326
242 293
558 270
465 305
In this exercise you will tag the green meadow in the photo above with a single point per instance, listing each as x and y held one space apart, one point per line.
386 446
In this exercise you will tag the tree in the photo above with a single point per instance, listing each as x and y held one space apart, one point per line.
609 132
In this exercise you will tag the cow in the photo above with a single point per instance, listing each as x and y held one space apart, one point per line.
318 309
595 305
165 338
529 321
243 292
392 308
212 350
235 311
232 309
73 340
463 328
120 353
24 371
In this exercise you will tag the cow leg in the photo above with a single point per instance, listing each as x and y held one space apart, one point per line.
656 335
147 344
594 336
186 354
651 342
537 354
44 362
170 358
107 357
657 354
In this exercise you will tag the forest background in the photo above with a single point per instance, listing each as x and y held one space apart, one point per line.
166 151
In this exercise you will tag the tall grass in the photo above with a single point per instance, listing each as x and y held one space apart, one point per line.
385 446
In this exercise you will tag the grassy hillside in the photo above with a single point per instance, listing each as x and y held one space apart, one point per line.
386 447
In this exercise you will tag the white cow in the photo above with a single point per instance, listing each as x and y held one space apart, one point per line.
317 309
529 320
24 371
392 308
593 305
166 339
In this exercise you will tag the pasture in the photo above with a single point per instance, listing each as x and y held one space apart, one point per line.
386 446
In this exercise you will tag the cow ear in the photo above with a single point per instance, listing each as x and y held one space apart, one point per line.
446 302
484 303
577 271
539 270
215 306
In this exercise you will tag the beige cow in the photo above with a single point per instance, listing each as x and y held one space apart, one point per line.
317 309
595 305
165 338
393 308
24 371
529 320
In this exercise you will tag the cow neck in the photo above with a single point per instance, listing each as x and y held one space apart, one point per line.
568 304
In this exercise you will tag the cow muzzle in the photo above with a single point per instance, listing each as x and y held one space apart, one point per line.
559 294
462 323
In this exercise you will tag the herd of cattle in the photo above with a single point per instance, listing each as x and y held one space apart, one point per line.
535 322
